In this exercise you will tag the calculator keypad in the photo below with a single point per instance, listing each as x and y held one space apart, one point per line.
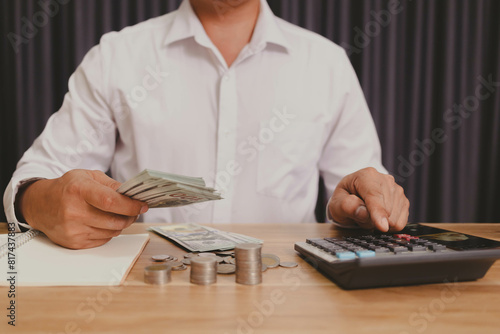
349 248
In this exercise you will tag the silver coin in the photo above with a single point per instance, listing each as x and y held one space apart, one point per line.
289 264
189 255
246 281
232 260
160 258
249 266
226 268
179 268
174 264
202 282
227 253
208 277
247 247
187 261
219 259
203 260
228 259
207 255
264 267
271 260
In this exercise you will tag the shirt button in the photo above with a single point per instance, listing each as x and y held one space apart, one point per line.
226 77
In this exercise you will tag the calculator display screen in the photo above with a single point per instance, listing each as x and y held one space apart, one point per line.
453 240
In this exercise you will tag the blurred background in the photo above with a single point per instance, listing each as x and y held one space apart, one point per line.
430 71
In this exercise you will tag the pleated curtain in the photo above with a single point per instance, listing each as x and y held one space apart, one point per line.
429 70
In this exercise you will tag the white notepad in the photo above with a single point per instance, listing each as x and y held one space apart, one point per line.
40 262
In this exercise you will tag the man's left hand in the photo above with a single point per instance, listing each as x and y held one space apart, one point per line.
370 200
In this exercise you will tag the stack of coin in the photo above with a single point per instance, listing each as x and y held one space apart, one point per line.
203 270
158 274
248 264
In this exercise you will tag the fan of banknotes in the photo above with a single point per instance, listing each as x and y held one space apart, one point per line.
160 190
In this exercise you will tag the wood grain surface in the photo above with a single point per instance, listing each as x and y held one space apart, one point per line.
297 300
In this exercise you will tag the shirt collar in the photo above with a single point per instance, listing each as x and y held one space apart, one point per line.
267 29
186 25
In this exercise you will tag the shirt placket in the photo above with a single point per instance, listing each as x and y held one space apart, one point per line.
226 146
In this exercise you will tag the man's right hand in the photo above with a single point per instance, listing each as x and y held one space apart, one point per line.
79 210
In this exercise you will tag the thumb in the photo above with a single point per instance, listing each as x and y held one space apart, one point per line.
350 208
355 209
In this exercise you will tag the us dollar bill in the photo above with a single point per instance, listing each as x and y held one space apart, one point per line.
198 238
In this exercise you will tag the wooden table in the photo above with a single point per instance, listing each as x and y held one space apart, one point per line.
298 300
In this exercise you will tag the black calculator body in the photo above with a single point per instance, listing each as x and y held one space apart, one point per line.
416 255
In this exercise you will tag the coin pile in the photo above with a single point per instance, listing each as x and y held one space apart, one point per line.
163 258
170 261
203 270
248 264
158 274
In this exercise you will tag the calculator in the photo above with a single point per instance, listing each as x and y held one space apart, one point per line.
416 255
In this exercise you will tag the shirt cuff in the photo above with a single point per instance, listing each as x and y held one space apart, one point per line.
9 203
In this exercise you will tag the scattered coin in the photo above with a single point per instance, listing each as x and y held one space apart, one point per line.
226 268
228 259
179 268
174 264
188 255
271 260
289 264
219 259
226 253
187 261
232 260
207 255
264 267
160 258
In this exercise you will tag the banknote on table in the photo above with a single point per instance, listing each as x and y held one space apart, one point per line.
161 190
197 238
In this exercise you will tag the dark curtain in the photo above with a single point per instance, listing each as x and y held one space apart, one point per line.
429 70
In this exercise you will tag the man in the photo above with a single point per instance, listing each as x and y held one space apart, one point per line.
219 89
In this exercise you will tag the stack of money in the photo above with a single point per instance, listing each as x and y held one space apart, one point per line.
248 264
203 270
160 190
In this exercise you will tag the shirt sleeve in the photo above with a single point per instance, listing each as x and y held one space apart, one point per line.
81 135
353 143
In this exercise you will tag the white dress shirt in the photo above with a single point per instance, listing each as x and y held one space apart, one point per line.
159 95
